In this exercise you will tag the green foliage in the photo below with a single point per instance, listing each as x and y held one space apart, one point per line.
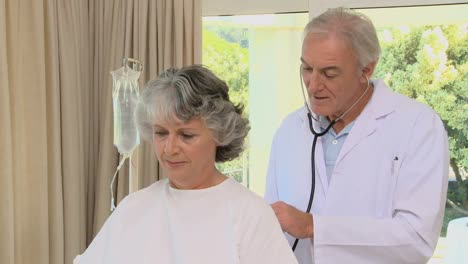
229 32
225 54
449 215
230 62
430 64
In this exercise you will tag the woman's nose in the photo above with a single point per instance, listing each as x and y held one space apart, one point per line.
171 145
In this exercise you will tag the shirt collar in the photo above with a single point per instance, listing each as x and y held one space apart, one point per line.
323 123
382 103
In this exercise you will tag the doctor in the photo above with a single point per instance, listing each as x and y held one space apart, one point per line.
380 171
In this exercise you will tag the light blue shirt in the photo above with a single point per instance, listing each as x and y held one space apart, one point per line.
332 144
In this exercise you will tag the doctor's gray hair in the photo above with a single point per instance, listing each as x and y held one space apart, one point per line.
355 28
194 92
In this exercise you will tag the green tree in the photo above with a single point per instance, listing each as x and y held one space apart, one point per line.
230 62
430 64
229 32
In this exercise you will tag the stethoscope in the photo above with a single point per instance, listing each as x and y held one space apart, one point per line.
316 134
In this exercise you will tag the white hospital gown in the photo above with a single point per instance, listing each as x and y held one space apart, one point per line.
223 224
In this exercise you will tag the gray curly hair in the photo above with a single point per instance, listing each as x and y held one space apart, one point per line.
354 27
194 92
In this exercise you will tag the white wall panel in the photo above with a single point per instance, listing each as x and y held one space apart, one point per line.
251 7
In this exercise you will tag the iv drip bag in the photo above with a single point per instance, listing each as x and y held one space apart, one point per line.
125 95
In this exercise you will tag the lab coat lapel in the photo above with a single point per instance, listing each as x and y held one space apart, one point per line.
321 171
366 123
363 127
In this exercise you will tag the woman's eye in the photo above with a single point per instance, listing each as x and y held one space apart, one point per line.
160 133
188 136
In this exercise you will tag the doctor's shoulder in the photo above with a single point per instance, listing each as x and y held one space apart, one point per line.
293 121
416 111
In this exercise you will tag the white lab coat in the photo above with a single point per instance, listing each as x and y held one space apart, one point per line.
386 197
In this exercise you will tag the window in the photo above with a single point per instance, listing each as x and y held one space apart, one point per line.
258 56
424 56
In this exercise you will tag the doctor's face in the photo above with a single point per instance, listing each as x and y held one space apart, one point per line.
330 73
186 152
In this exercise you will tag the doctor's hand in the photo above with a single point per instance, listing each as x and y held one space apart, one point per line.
293 221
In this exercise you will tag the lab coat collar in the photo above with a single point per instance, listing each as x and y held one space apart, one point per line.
380 104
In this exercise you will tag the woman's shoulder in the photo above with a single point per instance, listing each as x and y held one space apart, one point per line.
247 201
140 199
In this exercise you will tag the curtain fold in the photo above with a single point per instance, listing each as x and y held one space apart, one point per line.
6 149
41 142
56 143
74 74
55 213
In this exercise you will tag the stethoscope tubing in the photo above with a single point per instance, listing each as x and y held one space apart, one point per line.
316 136
312 164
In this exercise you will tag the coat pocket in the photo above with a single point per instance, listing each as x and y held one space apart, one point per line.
396 162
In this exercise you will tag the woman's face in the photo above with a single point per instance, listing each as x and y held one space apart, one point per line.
186 151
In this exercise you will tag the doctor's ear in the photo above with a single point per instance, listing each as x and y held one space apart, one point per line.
368 70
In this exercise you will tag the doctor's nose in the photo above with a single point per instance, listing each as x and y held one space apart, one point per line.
314 82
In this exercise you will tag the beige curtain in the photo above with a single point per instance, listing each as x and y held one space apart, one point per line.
56 152
162 34
42 155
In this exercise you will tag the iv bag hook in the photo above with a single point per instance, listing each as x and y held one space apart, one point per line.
136 64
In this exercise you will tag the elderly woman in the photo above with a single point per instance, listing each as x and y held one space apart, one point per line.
197 214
